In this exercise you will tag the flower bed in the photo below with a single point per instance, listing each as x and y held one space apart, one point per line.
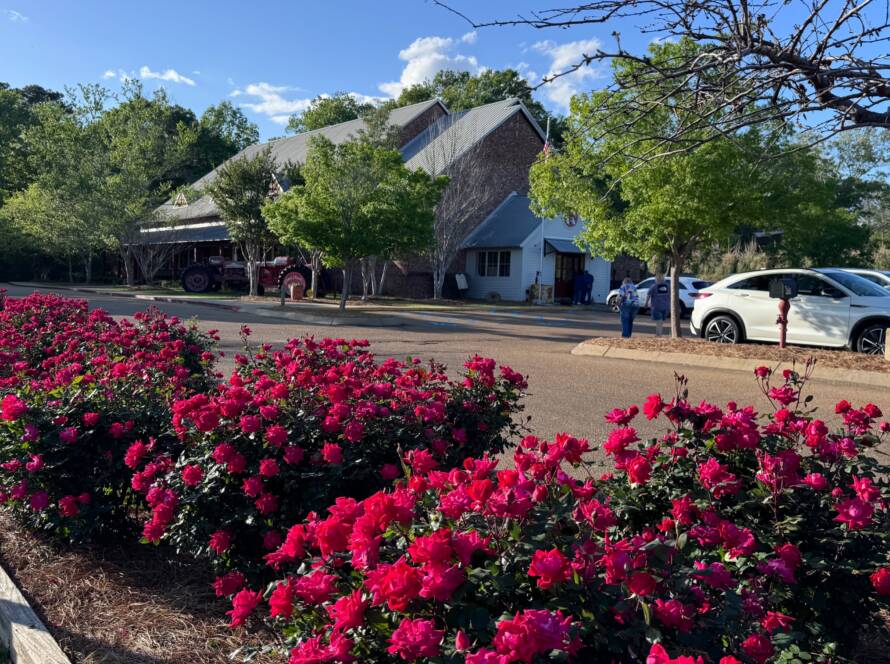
358 502
294 429
77 388
727 539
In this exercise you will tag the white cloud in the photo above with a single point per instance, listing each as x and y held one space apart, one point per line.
426 56
562 58
271 101
168 75
14 16
109 73
526 72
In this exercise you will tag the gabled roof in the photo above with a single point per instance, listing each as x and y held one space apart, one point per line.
456 133
289 149
508 225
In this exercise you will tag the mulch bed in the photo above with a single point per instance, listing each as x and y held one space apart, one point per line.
125 603
838 359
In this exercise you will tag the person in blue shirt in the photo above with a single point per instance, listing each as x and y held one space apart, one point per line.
628 306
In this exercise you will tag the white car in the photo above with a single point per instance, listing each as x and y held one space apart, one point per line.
880 277
833 308
689 286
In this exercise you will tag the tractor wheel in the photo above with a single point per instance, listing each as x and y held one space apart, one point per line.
197 279
291 275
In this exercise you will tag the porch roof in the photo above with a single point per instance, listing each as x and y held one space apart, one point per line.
561 246
507 226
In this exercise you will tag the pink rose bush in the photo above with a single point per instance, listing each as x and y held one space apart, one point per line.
294 429
725 550
80 395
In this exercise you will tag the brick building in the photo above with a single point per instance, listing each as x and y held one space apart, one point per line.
502 139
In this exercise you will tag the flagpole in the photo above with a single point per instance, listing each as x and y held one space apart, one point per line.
541 253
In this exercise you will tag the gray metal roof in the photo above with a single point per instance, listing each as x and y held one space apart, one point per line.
447 139
211 232
290 149
509 224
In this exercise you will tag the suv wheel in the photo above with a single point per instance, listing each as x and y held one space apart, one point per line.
613 304
872 338
723 330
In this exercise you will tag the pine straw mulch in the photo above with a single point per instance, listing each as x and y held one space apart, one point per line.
838 359
124 603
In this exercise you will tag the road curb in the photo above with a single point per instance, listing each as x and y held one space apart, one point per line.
133 296
856 376
22 632
368 320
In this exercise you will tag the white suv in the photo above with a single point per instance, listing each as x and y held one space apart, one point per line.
833 308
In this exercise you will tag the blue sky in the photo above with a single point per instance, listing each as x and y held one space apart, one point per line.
272 58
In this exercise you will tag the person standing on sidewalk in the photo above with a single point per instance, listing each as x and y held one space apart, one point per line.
628 306
658 301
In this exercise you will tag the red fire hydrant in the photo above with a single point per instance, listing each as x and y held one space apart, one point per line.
782 321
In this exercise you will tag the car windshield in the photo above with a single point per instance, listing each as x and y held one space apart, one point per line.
857 284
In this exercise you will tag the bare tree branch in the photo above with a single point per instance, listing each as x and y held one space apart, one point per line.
820 65
468 190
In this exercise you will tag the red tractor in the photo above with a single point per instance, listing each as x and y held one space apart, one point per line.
219 273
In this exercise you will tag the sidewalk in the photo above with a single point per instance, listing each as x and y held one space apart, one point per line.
380 313
229 304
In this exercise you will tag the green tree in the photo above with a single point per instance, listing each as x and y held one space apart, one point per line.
142 146
358 199
815 205
328 110
51 226
17 113
240 189
663 207
67 210
230 127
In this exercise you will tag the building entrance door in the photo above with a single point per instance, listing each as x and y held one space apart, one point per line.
567 266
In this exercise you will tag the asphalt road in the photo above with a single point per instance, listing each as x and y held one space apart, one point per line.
566 393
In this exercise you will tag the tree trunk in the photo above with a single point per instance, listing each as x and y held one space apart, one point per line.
347 278
129 268
88 268
250 253
676 309
315 265
365 279
372 269
70 271
438 283
382 277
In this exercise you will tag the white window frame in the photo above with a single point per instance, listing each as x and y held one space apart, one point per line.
490 270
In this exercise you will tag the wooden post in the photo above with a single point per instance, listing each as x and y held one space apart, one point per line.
22 632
